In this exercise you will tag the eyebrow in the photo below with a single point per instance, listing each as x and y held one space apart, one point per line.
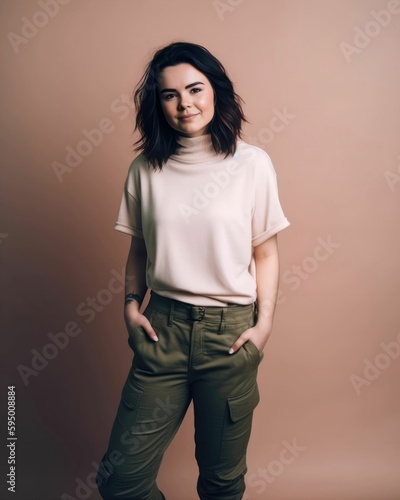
187 87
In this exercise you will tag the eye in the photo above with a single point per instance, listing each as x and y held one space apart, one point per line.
168 97
195 90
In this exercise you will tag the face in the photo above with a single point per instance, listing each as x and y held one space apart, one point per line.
187 99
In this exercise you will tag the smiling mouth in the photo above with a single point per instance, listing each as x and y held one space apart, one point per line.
187 117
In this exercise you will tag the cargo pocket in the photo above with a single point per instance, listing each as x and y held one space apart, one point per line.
130 399
122 438
236 433
243 405
104 472
126 418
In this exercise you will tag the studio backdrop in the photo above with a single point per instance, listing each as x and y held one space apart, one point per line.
320 81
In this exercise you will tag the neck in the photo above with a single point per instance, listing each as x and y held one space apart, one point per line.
194 149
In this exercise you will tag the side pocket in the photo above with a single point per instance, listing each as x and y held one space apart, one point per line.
137 331
250 346
134 335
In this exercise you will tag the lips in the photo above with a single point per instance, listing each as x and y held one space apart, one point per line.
186 117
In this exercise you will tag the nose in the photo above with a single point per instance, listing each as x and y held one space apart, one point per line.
184 102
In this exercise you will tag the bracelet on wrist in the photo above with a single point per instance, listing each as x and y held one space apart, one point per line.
131 297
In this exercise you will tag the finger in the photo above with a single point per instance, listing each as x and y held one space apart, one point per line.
237 345
150 331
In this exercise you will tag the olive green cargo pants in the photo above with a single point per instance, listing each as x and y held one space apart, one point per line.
189 362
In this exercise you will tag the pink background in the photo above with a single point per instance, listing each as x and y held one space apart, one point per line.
337 157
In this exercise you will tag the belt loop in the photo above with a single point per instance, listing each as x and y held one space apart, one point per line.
222 323
171 314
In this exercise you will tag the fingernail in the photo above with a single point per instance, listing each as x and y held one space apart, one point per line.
231 351
155 339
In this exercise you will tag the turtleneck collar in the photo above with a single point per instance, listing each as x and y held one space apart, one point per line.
194 149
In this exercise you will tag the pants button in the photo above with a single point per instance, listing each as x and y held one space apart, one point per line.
197 313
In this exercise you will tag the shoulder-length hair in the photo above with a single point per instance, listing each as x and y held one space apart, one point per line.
158 139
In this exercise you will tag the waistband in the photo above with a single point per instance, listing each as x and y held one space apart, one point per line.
184 310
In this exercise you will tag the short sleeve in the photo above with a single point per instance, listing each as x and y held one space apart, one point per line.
129 218
268 216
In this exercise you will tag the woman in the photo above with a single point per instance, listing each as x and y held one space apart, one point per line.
203 211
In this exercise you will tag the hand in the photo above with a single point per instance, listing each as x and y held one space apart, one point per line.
133 319
258 336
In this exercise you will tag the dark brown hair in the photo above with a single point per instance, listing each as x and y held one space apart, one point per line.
158 138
